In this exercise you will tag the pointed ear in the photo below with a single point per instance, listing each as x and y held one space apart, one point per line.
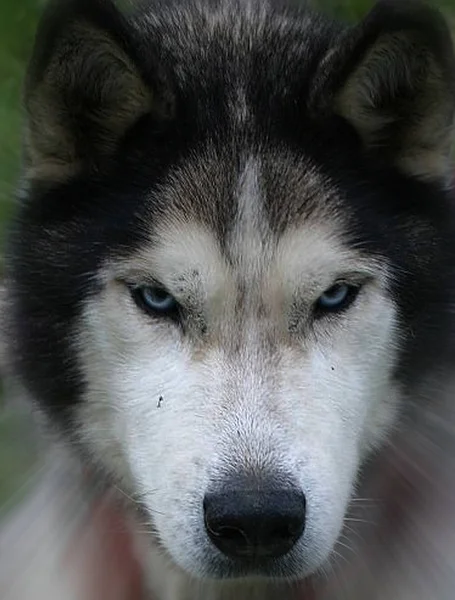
393 78
85 89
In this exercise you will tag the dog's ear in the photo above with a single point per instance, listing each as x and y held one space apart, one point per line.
393 78
84 90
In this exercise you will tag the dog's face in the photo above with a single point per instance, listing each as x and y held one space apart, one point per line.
223 287
262 365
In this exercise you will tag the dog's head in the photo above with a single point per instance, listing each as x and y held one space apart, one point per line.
232 262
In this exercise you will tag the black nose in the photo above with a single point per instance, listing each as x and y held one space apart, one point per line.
259 523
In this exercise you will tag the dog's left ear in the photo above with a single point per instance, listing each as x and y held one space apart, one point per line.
393 78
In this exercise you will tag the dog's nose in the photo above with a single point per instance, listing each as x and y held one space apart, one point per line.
264 523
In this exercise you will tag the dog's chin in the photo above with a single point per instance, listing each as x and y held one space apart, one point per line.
254 571
217 568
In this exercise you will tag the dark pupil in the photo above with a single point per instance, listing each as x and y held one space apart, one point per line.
159 295
334 291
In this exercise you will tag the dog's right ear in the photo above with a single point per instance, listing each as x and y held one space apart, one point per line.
85 89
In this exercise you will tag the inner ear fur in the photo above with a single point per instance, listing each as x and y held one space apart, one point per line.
84 88
392 77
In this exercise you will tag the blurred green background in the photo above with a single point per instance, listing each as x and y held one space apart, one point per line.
18 19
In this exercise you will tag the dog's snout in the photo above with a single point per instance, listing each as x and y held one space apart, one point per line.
261 523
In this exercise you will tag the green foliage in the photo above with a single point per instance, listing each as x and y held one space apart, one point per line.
352 10
345 9
17 24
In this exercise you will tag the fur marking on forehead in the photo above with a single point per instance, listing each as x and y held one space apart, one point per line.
248 247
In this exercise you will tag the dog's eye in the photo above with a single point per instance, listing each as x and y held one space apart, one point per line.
337 298
155 300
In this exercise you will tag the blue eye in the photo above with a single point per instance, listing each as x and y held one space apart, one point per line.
155 300
337 298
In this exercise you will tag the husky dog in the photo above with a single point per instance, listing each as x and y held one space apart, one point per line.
230 276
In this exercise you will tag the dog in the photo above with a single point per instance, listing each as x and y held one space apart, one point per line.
229 279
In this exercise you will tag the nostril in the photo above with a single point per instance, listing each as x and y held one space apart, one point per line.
262 523
228 532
